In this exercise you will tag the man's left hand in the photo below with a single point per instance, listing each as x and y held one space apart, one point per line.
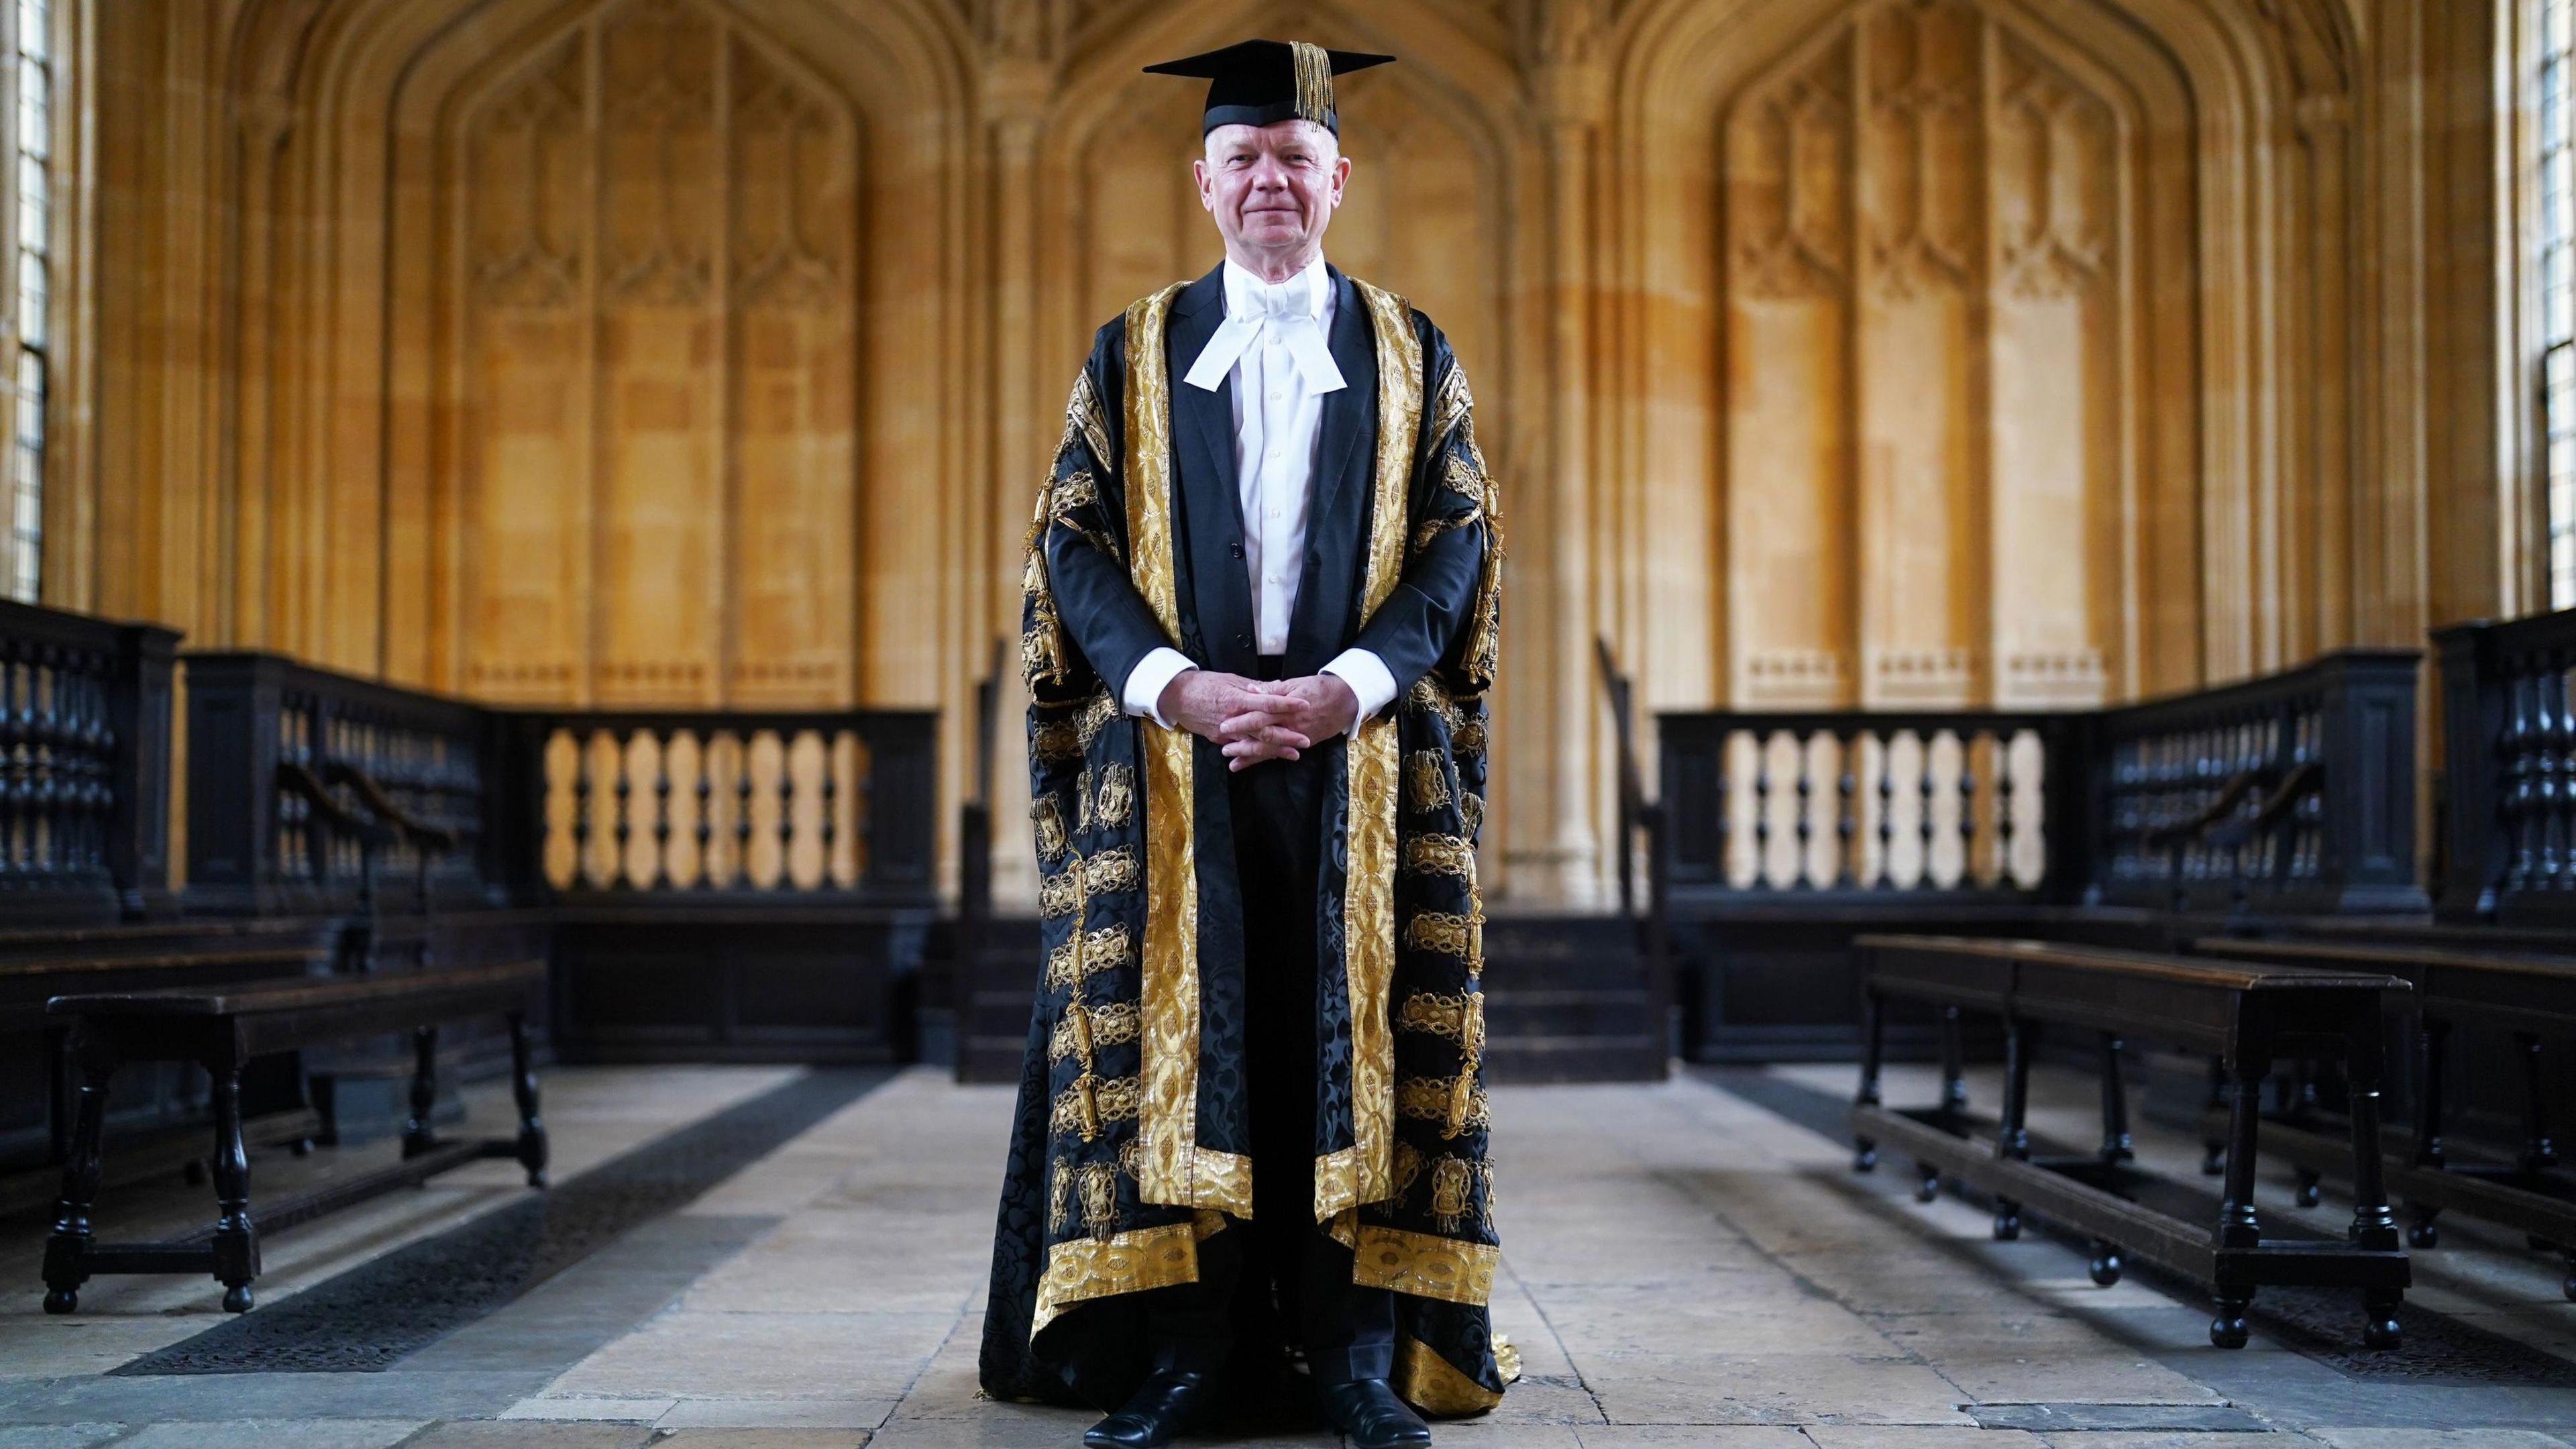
1325 707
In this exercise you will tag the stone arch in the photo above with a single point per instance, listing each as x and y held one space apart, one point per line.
2198 100
351 442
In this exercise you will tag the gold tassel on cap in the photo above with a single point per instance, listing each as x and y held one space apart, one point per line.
1314 81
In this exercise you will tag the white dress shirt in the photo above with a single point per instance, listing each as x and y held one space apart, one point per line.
1272 345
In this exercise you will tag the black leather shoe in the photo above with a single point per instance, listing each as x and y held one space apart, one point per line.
1167 1404
1369 1411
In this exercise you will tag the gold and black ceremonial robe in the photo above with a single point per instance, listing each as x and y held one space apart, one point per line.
1132 1141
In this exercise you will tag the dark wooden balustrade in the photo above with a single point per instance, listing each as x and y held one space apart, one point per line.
1851 804
2509 771
84 767
738 806
2294 792
2290 792
262 727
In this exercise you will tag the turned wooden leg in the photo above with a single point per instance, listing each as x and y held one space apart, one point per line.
2434 1039
1954 1062
1927 1182
2306 1194
2116 1146
67 1247
2012 1134
2228 1329
2373 1225
2379 1319
2539 1154
418 1136
2213 1150
2106 1265
2421 1233
2238 1225
523 1086
236 1244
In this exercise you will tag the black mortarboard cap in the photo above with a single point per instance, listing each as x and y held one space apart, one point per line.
1257 82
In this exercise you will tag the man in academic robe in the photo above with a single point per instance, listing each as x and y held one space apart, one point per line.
1262 602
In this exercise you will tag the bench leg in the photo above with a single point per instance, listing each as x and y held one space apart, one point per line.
2228 1329
236 1244
418 1136
2434 1039
2379 1320
2539 1154
2116 1146
2106 1266
2238 1225
2373 1225
1954 1062
2012 1134
67 1247
1872 1048
523 1087
2421 1233
2213 1150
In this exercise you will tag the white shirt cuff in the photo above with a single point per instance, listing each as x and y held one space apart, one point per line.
1147 681
1368 678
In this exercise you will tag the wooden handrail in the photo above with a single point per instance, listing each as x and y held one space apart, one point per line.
422 835
301 780
2303 781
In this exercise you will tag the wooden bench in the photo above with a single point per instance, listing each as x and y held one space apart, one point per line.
222 1028
2528 996
2250 1015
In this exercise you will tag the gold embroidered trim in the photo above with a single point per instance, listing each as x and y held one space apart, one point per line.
1425 1265
1063 893
1109 1025
1359 1173
1178 1171
1082 417
1087 955
1449 408
1426 781
1117 796
1078 489
1469 739
1427 696
1048 819
1459 1018
1440 855
1450 935
1471 812
1091 1101
1058 741
1097 712
1432 1384
1458 471
1443 1099
1081 1269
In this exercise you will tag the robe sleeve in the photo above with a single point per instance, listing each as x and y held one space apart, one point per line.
1429 616
1077 554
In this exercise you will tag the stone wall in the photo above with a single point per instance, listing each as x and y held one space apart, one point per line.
705 352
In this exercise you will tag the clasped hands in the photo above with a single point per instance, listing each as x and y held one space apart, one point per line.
1260 719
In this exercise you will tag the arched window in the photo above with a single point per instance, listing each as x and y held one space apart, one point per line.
28 219
2557 239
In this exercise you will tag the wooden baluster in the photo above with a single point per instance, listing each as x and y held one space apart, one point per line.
1762 809
742 814
2007 825
831 803
1725 804
787 809
662 808
581 795
706 801
11 785
624 821
1846 798
2517 792
1923 826
1886 809
1806 822
1967 795
2558 753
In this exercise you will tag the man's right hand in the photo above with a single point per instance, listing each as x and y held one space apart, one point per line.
1229 710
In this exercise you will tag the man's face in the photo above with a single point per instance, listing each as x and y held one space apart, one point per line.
1272 189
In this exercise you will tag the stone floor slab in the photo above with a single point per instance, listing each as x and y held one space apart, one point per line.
776 1414
531 1434
57 1436
762 1439
276 1434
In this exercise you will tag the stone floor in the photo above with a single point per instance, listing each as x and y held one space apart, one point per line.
1682 1267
